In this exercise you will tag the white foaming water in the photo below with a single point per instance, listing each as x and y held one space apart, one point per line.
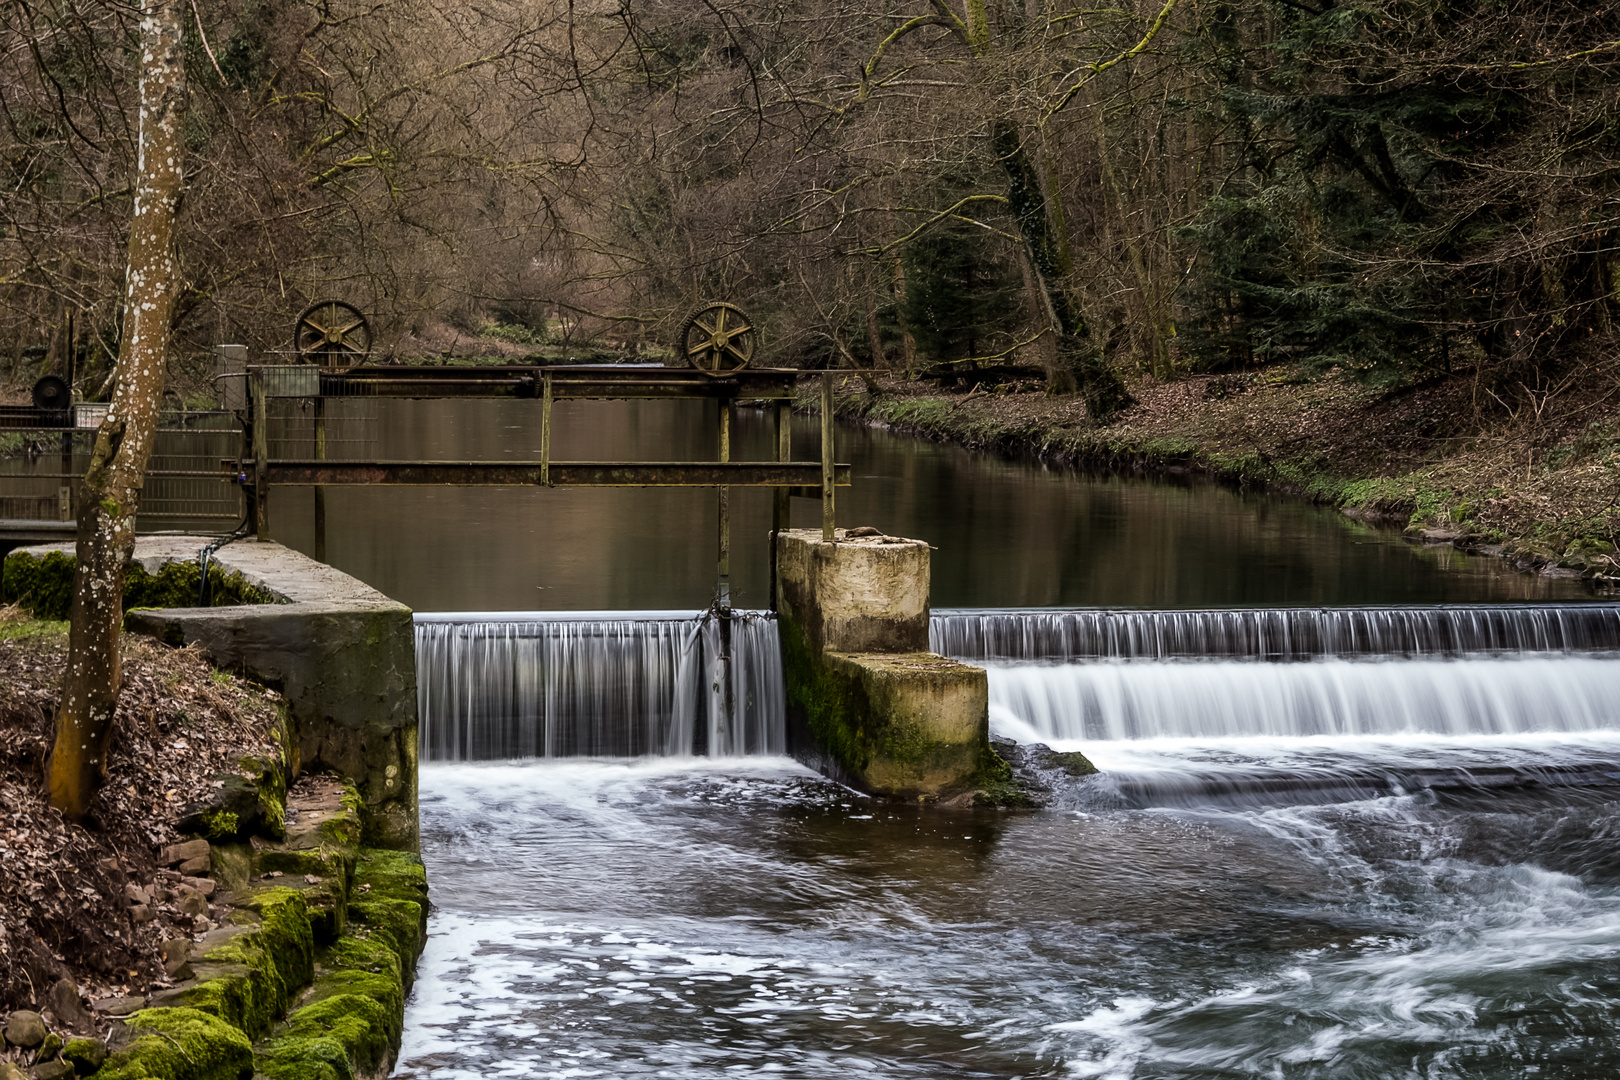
697 919
1320 869
1113 700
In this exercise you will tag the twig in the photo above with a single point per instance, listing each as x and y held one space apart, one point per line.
209 49
969 397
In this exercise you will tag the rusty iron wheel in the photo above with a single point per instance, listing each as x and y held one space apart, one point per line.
717 339
332 334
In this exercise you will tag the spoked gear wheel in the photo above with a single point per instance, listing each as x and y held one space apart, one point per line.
332 334
717 339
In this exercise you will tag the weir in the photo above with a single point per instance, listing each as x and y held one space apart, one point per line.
598 684
502 685
1274 633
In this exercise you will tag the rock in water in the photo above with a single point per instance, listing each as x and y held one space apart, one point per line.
26 1029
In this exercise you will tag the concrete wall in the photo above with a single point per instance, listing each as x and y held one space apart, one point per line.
867 703
342 654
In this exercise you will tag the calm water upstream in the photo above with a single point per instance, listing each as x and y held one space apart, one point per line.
1007 534
1326 844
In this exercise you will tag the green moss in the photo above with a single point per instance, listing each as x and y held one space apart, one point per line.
44 586
181 1044
826 701
995 785
399 922
349 1034
32 628
220 823
1075 764
380 986
50 1047
249 980
359 951
399 875
85 1055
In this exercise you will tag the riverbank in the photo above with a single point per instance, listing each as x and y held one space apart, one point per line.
98 906
1540 489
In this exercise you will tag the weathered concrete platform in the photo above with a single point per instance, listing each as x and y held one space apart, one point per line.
341 653
867 702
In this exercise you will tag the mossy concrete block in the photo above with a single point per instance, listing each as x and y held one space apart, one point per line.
861 595
907 725
867 703
342 654
181 1044
240 806
349 676
248 976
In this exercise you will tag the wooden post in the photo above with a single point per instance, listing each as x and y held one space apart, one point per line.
261 455
320 491
723 589
545 429
827 456
780 517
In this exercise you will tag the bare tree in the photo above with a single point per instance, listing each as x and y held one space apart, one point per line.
110 495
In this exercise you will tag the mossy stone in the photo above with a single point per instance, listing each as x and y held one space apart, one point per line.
351 1034
249 980
181 1044
85 1055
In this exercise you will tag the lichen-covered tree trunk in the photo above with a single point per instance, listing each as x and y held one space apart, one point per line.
111 491
1104 391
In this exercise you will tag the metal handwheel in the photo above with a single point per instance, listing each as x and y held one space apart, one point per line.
717 339
333 334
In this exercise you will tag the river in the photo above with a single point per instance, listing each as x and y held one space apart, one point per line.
1345 856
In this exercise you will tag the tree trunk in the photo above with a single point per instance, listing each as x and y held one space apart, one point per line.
874 332
908 343
111 491
1099 384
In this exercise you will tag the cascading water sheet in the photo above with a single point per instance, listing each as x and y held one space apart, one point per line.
597 684
1112 700
1274 633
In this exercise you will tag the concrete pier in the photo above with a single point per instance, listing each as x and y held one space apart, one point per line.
341 653
867 702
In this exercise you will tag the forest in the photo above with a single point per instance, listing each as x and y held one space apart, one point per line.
1391 195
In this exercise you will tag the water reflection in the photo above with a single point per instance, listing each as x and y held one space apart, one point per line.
1006 533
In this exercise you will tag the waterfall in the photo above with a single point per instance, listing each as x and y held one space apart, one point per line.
1125 699
1089 676
1274 633
597 684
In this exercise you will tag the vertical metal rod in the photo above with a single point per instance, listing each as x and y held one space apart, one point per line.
261 455
779 496
723 595
826 457
320 491
545 430
723 590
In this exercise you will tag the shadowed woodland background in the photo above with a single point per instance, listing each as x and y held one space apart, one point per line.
1399 190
